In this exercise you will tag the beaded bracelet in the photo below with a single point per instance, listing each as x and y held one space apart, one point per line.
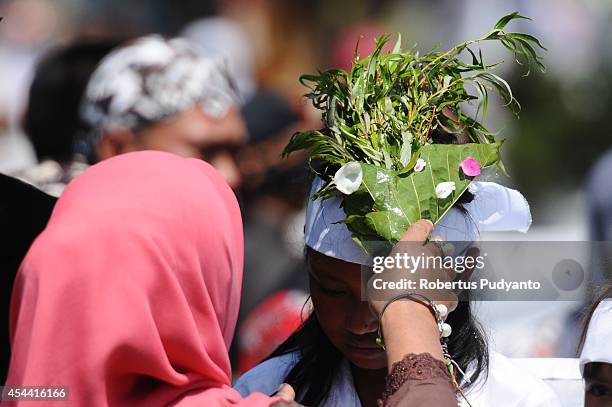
439 311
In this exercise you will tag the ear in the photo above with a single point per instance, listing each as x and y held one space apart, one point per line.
116 142
472 252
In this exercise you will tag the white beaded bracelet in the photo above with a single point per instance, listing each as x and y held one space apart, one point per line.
439 311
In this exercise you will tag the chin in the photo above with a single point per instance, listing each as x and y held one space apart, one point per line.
371 360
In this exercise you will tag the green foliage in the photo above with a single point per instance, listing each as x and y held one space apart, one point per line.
400 200
384 114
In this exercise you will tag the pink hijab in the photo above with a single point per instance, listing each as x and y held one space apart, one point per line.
130 295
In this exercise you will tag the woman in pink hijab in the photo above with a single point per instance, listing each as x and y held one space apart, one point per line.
130 296
131 293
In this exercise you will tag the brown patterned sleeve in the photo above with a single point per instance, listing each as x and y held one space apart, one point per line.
418 380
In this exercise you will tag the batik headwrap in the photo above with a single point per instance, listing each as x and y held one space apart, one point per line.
149 80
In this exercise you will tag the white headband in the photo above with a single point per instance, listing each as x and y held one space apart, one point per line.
598 343
494 208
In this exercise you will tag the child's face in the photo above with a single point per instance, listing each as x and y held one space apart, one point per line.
598 384
348 322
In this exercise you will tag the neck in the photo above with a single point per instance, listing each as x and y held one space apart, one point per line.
369 384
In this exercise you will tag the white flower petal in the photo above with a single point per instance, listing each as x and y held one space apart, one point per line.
420 165
348 178
444 189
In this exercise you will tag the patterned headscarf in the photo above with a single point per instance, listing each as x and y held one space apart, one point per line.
151 79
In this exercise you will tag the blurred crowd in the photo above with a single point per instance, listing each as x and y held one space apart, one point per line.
58 109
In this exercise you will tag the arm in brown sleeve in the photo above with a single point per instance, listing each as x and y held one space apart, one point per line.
419 381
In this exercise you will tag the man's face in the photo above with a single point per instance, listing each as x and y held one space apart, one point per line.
190 134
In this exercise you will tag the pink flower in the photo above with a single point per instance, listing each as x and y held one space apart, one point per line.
470 167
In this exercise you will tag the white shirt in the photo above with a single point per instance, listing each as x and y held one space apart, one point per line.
506 385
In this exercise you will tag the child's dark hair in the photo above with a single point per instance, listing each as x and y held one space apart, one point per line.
605 293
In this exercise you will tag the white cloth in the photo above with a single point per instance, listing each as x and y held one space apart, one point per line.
506 385
561 374
494 208
598 343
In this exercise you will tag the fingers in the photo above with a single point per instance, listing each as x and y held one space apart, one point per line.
286 392
419 231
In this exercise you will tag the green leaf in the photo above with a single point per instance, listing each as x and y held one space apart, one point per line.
501 24
406 150
398 44
400 200
528 38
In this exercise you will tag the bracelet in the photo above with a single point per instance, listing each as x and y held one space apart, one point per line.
439 311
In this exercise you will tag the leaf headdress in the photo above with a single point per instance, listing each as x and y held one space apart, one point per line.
383 147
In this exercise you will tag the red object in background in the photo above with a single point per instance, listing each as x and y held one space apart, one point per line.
366 33
269 325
